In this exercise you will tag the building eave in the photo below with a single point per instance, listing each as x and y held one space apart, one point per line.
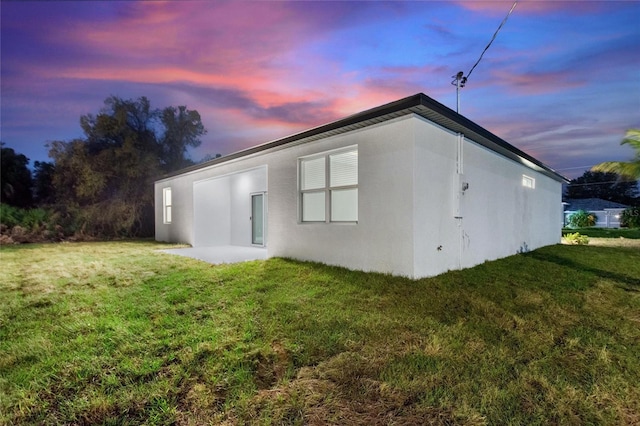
419 104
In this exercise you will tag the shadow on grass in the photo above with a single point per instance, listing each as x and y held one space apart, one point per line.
624 281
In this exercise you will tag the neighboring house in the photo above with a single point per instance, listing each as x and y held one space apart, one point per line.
608 213
409 188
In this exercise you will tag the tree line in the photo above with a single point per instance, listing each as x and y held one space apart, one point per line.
612 180
608 186
101 185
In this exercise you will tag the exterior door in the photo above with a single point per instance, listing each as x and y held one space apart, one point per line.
257 219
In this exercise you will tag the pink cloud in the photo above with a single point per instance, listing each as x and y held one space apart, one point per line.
531 7
237 46
254 50
537 83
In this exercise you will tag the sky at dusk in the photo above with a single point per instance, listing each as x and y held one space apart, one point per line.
561 81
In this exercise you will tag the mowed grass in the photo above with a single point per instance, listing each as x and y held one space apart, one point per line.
632 233
118 333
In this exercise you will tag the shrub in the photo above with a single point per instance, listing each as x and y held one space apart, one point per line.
630 217
34 218
582 219
29 225
29 219
576 238
10 216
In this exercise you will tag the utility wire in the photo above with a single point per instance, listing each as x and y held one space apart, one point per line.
614 182
492 39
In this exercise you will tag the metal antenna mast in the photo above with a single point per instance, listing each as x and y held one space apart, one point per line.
459 80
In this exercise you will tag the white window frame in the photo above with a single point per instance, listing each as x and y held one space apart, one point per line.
327 188
167 204
528 182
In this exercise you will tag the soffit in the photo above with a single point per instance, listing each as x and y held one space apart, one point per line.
419 104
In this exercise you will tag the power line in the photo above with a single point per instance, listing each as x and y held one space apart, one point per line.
459 80
615 182
491 41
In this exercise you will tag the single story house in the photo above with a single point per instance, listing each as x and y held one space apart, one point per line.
608 213
409 188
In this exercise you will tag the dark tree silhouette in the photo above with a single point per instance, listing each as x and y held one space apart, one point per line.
15 179
607 186
43 192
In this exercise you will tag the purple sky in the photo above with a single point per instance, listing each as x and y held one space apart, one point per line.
561 81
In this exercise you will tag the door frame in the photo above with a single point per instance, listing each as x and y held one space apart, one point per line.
262 194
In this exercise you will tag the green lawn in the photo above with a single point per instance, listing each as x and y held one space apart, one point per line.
633 233
117 333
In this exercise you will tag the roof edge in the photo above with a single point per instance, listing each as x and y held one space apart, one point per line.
406 105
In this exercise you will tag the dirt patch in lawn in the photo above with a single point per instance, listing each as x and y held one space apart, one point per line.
614 242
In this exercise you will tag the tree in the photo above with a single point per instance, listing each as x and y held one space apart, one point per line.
43 190
630 169
631 217
106 178
607 186
15 179
182 130
582 219
209 157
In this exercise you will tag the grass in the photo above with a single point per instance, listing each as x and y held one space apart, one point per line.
632 233
118 333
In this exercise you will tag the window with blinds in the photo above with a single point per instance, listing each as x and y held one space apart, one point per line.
329 187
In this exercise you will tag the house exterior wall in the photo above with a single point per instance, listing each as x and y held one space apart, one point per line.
243 185
208 204
497 215
382 239
501 216
181 226
408 223
212 212
436 232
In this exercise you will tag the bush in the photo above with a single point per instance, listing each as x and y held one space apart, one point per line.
630 218
10 216
113 219
29 219
582 219
576 238
28 225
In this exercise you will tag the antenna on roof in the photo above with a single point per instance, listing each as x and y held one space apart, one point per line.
459 80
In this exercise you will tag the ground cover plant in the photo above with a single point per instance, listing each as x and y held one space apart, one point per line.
118 333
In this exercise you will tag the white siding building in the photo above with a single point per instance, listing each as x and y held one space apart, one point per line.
409 188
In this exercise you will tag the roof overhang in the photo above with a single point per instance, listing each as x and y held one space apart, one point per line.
419 104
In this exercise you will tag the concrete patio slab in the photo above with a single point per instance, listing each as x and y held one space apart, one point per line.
221 254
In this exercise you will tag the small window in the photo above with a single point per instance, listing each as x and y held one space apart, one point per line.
329 187
166 203
528 182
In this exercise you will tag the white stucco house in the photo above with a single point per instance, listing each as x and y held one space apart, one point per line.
409 188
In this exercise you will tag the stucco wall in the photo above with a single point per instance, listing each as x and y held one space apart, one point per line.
406 221
498 215
502 217
180 228
382 238
211 206
243 185
212 212
437 235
